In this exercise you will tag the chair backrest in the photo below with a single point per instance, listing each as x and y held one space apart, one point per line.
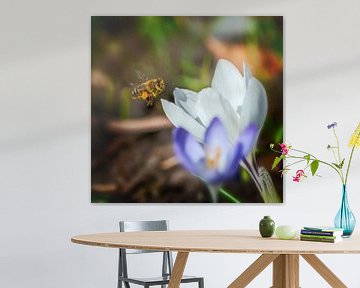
135 226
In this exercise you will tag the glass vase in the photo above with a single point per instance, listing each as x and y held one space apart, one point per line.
345 219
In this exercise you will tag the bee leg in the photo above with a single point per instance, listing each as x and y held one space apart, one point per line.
149 101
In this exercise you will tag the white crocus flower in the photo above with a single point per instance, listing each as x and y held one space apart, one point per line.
237 100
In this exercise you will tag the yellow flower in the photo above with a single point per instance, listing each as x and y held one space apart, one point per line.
355 138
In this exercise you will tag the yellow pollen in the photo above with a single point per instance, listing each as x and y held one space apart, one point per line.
355 138
213 162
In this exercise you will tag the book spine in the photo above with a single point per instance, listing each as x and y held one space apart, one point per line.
319 236
318 239
320 233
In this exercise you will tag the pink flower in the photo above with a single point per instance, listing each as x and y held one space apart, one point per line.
284 148
300 174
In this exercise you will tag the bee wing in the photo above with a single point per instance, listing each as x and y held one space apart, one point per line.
141 76
134 78
129 81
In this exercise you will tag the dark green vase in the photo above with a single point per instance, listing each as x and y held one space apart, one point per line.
267 227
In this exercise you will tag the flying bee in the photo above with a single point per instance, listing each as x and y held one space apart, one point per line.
148 90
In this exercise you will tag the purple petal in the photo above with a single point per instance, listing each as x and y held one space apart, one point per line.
332 125
214 177
242 147
189 152
216 141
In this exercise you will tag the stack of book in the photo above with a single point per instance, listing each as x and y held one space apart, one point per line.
321 234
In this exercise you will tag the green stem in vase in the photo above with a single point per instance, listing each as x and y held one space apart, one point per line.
320 161
351 156
348 167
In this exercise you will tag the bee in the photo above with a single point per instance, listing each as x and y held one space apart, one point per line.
148 90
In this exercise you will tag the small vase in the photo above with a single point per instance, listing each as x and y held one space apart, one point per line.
266 226
345 219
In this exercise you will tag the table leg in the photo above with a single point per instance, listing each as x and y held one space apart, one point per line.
253 270
324 271
178 269
286 271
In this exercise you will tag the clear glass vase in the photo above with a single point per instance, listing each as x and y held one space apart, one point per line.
345 219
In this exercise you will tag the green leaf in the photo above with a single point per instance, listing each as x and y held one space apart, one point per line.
342 163
271 146
336 165
277 161
307 157
314 166
339 166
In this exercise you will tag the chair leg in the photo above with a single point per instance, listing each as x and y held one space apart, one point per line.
119 270
201 283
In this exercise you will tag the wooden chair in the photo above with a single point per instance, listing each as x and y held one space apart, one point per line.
167 262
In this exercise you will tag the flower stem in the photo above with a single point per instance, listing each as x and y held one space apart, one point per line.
333 152
262 180
348 167
300 151
296 162
228 196
213 193
312 159
252 173
320 161
339 155
350 159
337 144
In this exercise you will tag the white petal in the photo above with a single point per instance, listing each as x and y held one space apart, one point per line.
229 83
186 99
190 95
180 118
255 105
247 73
210 104
247 76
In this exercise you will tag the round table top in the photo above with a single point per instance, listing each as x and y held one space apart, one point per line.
217 241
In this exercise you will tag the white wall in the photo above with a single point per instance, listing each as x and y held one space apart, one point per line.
45 139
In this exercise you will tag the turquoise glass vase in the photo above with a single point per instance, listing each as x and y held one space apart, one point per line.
345 219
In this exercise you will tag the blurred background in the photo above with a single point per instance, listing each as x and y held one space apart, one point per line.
131 149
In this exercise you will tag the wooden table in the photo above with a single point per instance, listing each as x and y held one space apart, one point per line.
284 254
